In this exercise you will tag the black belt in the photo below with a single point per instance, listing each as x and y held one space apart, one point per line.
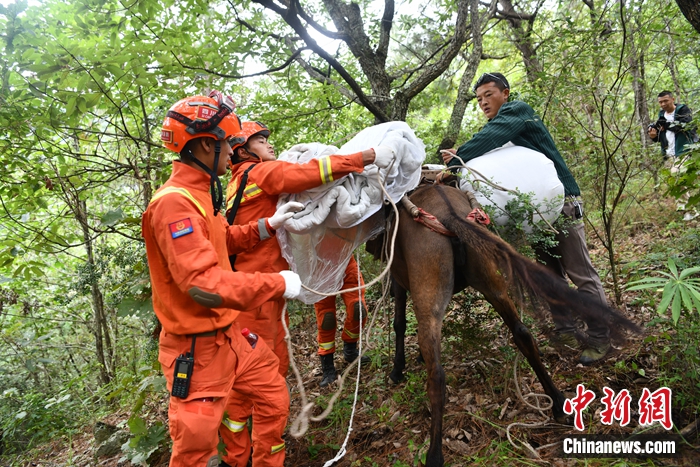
209 333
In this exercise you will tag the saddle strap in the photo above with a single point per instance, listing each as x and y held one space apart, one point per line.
425 218
419 215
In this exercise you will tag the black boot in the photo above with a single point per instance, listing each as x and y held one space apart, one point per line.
350 353
329 374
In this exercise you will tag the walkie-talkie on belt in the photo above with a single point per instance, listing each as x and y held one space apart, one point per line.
184 365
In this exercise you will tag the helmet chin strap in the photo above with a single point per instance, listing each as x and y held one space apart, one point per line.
217 192
253 154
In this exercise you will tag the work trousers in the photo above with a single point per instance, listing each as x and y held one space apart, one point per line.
224 362
574 261
266 322
326 312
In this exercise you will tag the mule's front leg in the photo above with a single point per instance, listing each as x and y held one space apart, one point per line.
429 332
400 293
528 347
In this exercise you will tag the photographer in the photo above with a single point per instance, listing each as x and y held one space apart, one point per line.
671 128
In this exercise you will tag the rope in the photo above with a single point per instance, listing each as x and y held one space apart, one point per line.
532 452
300 425
342 451
501 188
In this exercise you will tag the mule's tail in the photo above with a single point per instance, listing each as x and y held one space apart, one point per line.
541 284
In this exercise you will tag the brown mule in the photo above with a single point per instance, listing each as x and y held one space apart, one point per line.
427 265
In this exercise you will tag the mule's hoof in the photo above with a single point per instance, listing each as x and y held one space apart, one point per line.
562 418
396 377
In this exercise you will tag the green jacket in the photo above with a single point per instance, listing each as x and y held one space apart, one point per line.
684 133
517 122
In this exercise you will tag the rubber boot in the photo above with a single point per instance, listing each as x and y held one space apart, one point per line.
564 339
350 353
329 374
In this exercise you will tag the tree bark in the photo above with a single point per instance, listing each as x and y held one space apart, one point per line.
522 36
100 327
635 59
691 11
384 101
464 94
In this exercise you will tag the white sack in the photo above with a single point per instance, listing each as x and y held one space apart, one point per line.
516 168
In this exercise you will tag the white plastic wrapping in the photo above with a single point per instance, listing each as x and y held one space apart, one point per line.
516 168
342 215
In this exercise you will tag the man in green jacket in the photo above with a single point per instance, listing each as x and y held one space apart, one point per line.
516 122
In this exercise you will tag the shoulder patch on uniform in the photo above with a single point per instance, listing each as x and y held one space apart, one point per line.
180 228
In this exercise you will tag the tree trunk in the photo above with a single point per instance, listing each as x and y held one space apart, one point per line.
463 93
691 11
522 37
635 59
100 327
671 65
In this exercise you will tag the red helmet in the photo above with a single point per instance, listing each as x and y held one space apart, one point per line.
247 130
196 117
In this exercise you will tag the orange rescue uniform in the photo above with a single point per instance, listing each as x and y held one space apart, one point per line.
325 312
187 249
266 181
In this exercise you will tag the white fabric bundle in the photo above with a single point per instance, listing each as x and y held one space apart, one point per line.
340 216
350 200
516 168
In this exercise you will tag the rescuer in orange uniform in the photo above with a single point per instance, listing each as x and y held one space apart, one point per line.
326 323
263 178
196 295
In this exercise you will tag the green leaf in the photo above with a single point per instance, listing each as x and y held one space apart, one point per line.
137 425
666 298
676 306
686 297
131 307
70 106
689 272
648 283
672 267
112 217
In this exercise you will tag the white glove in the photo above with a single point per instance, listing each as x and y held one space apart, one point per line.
383 156
292 284
284 213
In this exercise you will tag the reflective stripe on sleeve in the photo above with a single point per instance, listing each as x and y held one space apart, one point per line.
262 228
250 191
324 167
